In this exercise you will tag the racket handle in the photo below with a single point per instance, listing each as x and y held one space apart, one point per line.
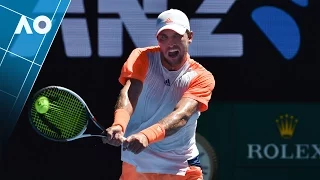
90 135
104 135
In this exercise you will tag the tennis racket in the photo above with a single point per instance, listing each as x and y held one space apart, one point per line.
59 114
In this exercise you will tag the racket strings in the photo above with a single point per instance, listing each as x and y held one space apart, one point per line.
66 117
74 110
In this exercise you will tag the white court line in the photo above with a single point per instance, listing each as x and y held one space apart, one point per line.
19 57
16 12
6 50
8 93
34 60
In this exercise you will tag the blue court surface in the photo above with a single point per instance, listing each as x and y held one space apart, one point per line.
27 31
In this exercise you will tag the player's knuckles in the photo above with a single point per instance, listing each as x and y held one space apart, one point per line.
118 136
111 131
141 141
117 131
108 130
109 135
131 139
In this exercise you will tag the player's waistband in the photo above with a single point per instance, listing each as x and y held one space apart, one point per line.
195 162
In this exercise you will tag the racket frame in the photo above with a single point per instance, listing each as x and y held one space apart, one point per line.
88 113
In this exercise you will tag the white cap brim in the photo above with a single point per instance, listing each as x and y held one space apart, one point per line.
177 28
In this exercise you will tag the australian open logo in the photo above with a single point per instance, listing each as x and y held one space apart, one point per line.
286 125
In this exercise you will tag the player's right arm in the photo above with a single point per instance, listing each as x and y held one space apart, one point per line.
129 95
132 76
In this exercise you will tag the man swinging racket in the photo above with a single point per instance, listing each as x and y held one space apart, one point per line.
164 91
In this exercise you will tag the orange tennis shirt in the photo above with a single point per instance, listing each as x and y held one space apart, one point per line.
162 90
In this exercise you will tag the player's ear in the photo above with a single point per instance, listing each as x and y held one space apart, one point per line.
157 37
190 36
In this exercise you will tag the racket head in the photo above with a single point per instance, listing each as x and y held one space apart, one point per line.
67 117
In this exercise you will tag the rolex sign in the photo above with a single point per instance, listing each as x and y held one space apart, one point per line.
277 135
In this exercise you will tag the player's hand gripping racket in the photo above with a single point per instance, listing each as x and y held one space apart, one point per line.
59 114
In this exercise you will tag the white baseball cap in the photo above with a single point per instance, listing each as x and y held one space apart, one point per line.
173 19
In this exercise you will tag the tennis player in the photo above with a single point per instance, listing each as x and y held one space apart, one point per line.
164 91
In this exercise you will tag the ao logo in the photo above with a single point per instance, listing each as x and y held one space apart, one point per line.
23 23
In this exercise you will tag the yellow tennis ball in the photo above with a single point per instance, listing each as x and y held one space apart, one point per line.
42 105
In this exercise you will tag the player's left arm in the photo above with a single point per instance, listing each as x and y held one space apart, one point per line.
196 98
185 108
